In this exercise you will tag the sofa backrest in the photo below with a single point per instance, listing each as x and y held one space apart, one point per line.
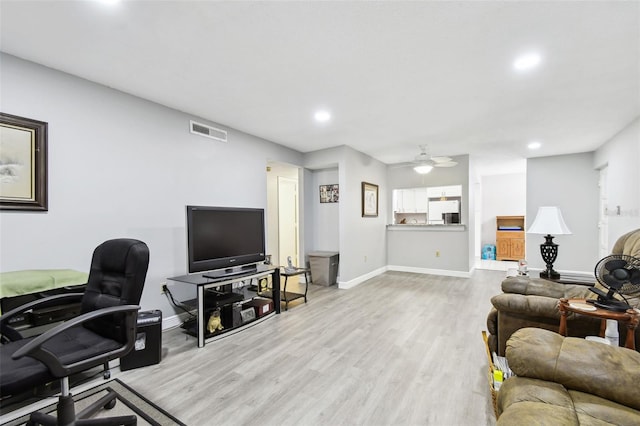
607 371
628 244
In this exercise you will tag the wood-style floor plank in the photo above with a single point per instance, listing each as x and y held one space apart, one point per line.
399 349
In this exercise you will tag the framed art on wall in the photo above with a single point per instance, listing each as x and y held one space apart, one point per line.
23 163
329 193
369 200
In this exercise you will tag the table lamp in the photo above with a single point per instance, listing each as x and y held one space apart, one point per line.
549 221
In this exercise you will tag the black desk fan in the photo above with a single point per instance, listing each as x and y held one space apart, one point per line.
619 274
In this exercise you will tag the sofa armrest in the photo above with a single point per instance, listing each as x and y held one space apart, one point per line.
534 306
609 372
540 287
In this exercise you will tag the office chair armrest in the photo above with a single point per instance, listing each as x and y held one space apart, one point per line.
35 350
11 334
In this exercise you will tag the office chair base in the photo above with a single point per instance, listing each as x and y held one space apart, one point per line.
67 416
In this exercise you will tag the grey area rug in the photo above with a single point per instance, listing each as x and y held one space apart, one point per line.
128 402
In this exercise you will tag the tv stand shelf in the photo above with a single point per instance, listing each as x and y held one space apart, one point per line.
203 283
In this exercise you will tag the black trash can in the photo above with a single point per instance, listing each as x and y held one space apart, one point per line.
148 347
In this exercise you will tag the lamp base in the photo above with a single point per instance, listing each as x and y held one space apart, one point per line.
549 274
549 252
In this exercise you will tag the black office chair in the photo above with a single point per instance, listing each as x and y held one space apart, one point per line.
105 330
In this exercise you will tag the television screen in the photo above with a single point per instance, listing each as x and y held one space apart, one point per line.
223 237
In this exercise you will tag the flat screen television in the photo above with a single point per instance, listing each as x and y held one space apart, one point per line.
223 239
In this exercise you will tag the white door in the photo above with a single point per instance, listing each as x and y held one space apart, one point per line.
287 220
603 218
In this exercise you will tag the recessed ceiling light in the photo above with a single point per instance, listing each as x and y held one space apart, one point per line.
527 62
534 145
322 116
109 1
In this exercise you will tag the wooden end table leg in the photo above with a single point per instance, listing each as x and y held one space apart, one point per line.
603 328
632 324
306 286
563 317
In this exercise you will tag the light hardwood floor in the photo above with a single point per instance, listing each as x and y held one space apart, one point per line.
399 349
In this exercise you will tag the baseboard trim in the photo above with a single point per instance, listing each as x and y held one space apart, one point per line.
174 321
362 278
445 272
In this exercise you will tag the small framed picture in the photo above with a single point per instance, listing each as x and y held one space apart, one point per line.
329 193
23 163
369 200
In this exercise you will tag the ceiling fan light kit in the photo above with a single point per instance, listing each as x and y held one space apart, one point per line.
424 163
423 169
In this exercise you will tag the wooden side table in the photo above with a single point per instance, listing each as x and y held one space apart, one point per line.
631 317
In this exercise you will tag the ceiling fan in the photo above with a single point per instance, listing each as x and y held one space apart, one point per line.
424 163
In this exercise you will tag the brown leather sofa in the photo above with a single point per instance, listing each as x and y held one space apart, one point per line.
568 381
533 302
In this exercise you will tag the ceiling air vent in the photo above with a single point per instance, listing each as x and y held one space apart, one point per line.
208 131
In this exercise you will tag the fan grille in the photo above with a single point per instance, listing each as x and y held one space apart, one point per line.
619 272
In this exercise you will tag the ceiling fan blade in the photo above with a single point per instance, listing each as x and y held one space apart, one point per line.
615 264
441 159
446 164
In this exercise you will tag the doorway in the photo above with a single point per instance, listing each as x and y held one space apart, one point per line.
283 199
288 221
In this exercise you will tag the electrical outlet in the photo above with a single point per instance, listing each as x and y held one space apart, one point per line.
164 288
437 253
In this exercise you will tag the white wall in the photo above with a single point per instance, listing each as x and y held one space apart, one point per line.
622 156
502 195
362 240
417 249
120 166
363 244
571 183
326 217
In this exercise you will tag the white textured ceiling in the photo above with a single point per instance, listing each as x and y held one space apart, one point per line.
394 74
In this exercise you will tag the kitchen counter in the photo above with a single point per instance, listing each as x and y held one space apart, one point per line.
427 228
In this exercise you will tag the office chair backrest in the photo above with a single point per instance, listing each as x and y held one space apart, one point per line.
118 270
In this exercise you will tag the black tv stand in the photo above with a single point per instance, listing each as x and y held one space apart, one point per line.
231 272
203 282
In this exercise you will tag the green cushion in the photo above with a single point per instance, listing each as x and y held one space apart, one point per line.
17 283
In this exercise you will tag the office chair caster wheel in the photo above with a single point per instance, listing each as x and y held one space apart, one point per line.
109 405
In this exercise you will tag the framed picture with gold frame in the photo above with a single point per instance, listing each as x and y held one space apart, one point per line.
369 200
23 163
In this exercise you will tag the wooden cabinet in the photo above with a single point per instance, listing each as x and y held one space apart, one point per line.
510 238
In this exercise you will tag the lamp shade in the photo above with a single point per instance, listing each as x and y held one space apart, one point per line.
549 221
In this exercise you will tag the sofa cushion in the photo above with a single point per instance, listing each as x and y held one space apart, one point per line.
524 389
524 401
592 409
609 372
